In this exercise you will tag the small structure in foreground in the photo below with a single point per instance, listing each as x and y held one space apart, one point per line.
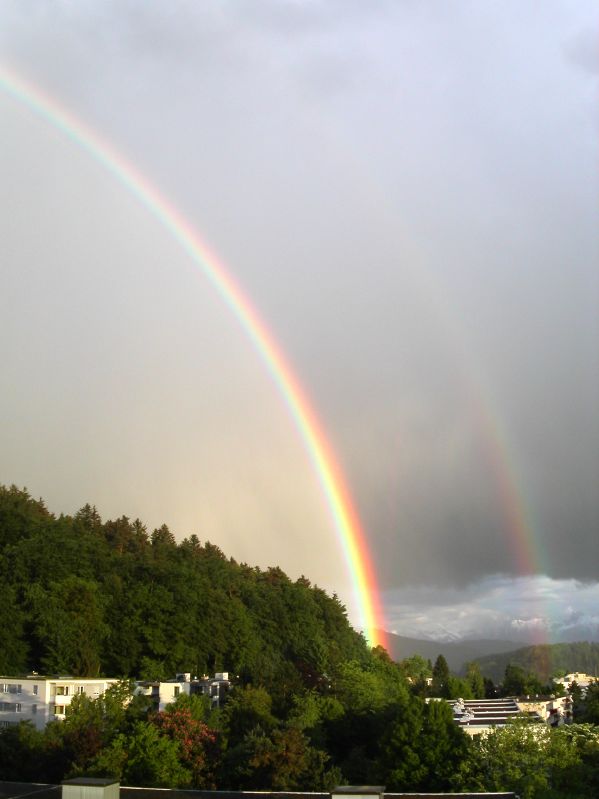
91 788
358 792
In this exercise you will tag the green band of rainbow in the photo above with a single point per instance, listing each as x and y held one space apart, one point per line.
347 524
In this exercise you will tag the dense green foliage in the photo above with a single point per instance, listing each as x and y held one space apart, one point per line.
312 705
586 703
544 661
535 761
86 598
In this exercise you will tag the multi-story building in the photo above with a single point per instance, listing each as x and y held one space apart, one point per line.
581 679
42 699
476 716
165 693
555 710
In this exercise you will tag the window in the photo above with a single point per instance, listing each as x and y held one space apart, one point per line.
17 707
59 710
35 689
80 689
33 709
177 690
62 690
13 688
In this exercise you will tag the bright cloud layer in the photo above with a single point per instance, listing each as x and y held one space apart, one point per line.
524 608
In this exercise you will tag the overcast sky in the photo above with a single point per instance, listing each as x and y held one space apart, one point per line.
408 194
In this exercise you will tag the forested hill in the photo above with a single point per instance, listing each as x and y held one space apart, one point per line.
86 597
544 660
456 653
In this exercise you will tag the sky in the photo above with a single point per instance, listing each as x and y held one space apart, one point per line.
407 192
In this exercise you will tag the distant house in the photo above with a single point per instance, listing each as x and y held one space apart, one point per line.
166 692
480 716
555 710
580 678
42 699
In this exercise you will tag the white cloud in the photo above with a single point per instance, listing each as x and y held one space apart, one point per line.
536 608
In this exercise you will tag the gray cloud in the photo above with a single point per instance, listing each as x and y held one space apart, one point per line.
535 608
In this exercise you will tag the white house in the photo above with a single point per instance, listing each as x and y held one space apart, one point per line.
555 710
165 693
42 699
580 678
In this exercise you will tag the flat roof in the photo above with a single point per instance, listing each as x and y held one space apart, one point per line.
16 790
99 781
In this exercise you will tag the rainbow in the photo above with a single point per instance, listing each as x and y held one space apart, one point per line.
519 523
350 532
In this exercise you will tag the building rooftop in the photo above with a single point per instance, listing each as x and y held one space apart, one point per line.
16 790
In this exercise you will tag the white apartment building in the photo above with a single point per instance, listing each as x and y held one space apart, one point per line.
480 716
165 693
555 710
42 699
580 678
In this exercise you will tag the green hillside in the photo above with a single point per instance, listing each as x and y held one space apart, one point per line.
86 597
311 707
544 660
457 653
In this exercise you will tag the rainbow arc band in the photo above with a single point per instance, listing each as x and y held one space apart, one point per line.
347 524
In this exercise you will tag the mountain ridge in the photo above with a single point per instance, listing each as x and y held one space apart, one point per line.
456 653
544 660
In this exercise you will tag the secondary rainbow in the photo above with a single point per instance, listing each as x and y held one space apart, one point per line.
346 521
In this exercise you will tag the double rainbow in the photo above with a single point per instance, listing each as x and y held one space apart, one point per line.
347 524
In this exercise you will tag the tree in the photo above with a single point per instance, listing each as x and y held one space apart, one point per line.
421 747
514 681
148 758
197 743
415 668
368 689
475 680
14 650
576 694
534 761
245 710
21 753
440 684
508 759
282 760
588 704
517 682
69 625
458 688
